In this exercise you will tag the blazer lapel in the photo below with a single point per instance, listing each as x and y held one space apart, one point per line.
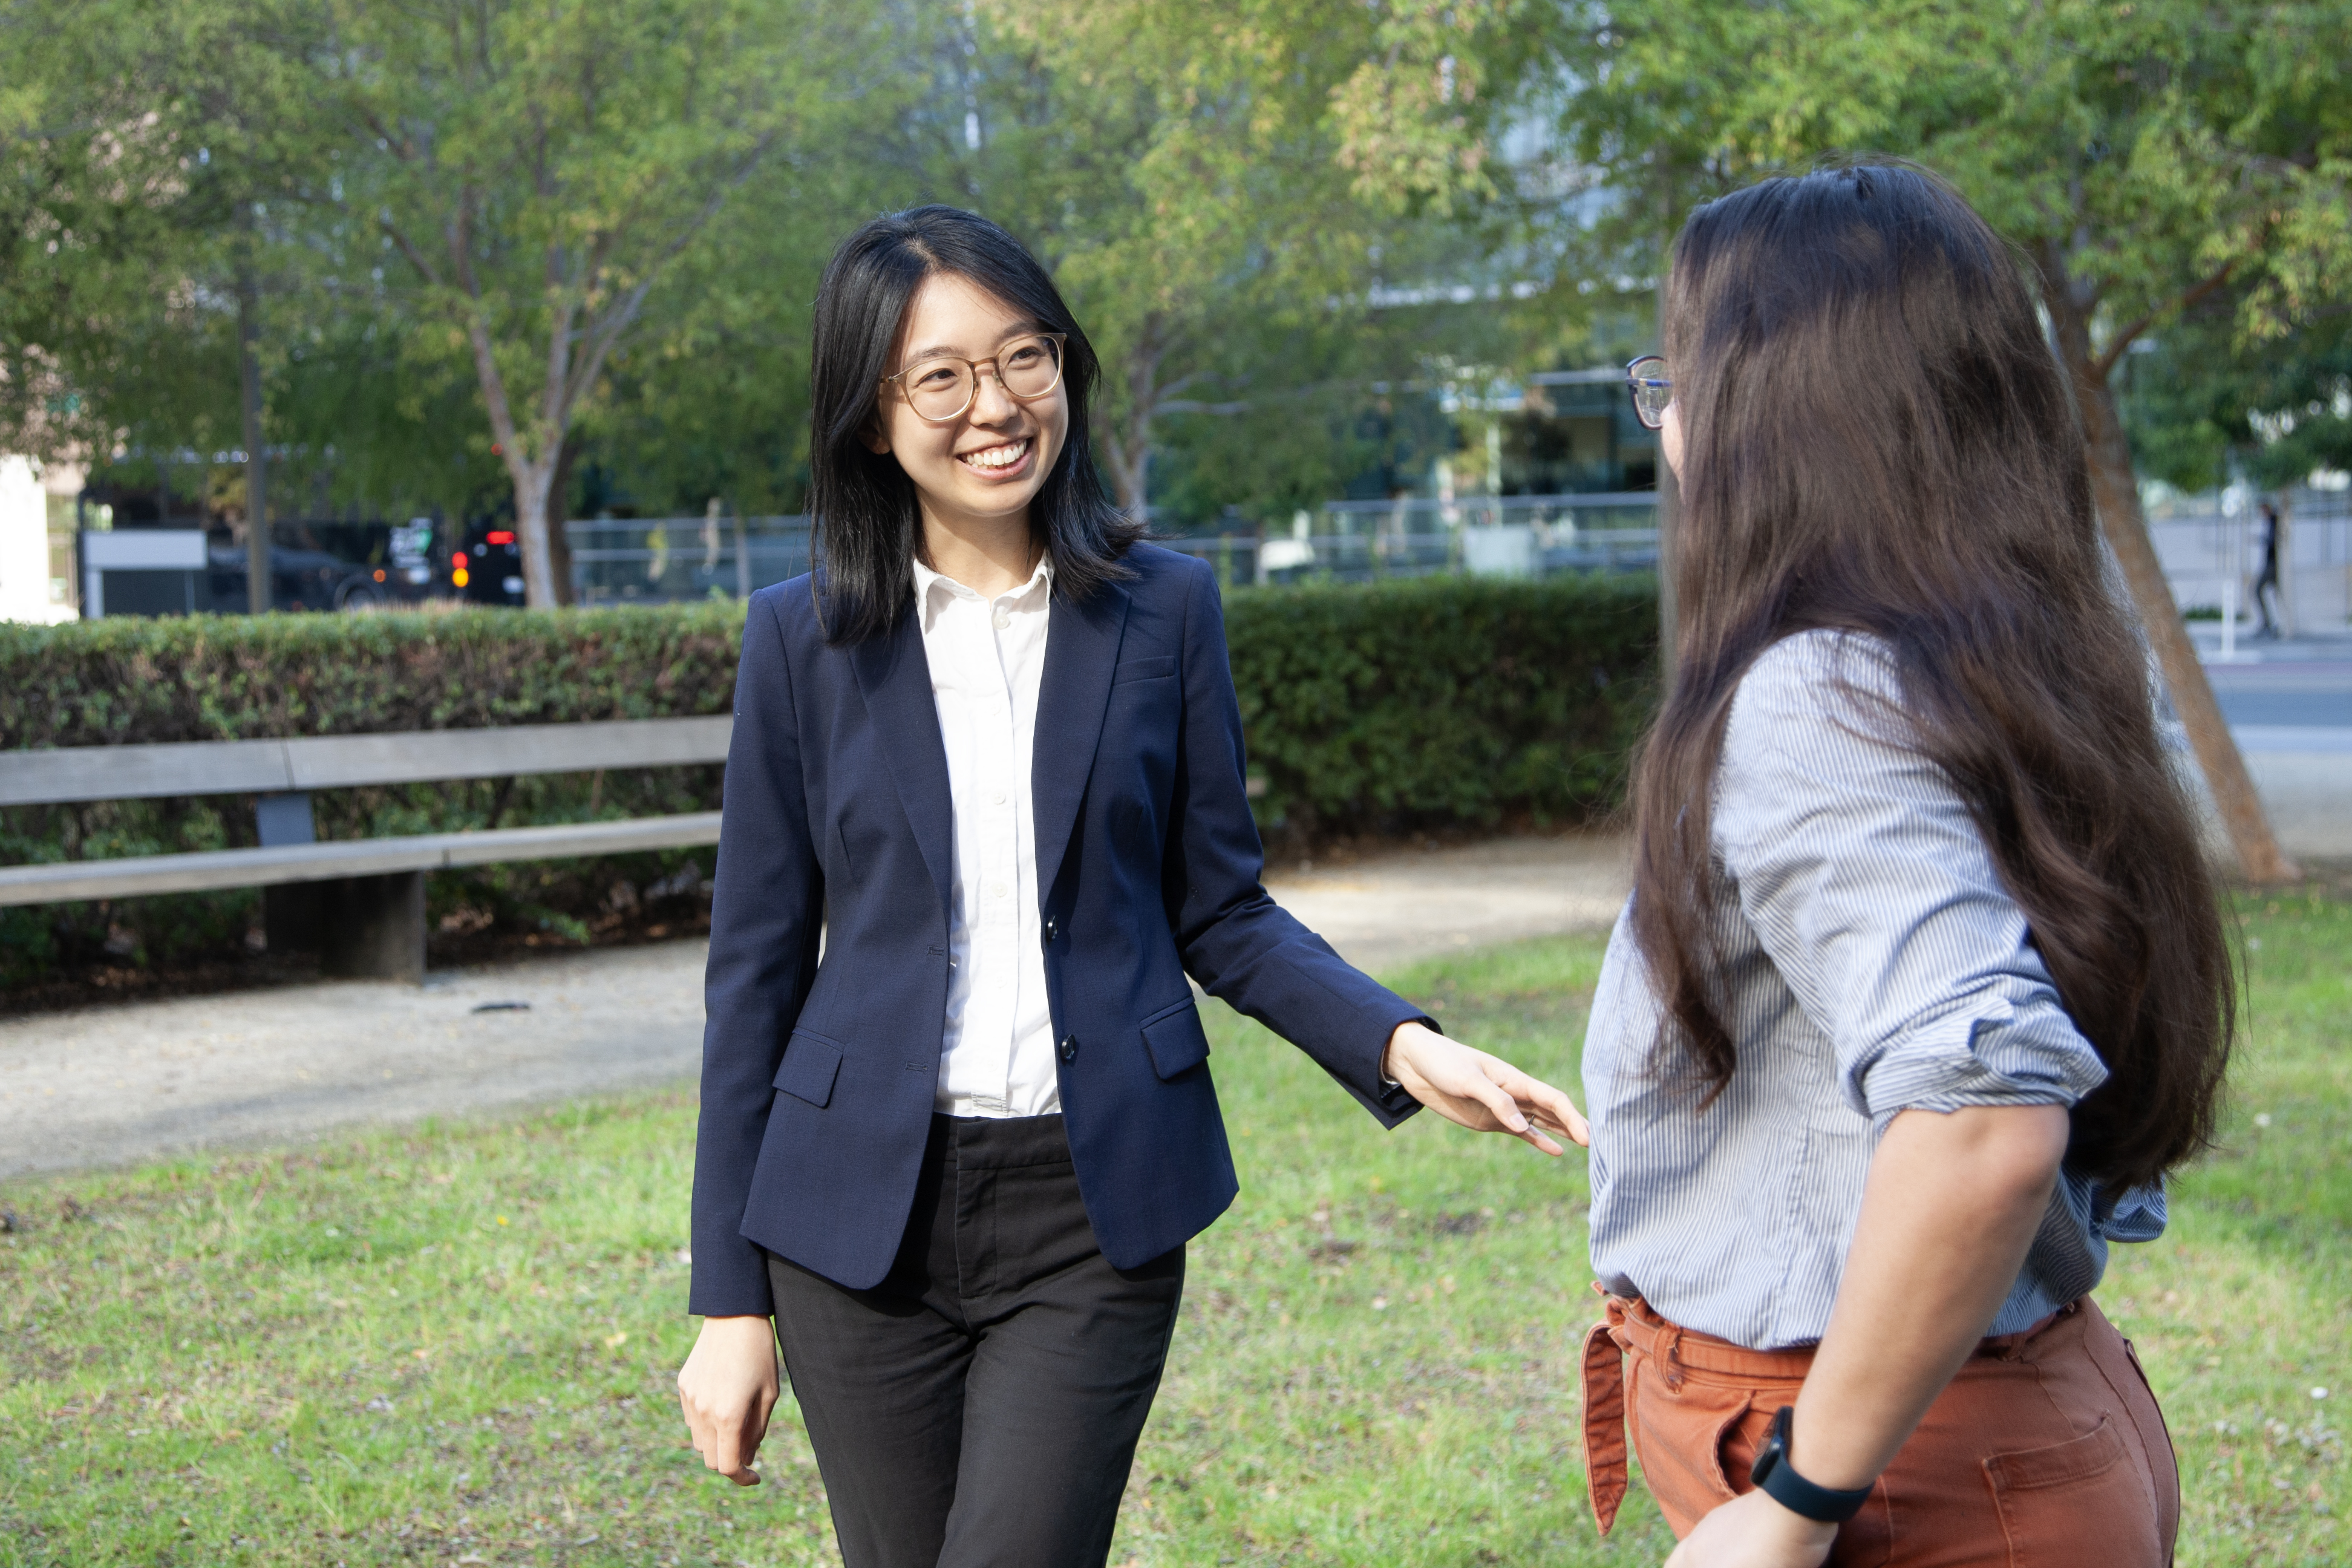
1081 653
896 680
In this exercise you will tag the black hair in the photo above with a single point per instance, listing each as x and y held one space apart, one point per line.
868 526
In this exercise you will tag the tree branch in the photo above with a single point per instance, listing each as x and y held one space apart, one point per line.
460 237
407 247
2122 341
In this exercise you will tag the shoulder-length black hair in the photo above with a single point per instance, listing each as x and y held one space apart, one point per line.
868 525
1878 440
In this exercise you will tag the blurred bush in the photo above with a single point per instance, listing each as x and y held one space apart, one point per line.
1407 706
1441 702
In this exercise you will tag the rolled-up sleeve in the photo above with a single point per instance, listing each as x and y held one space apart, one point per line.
1872 890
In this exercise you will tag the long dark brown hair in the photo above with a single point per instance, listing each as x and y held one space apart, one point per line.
1877 440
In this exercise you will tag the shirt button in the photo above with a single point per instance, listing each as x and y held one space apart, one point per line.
996 890
996 799
1069 1047
1003 620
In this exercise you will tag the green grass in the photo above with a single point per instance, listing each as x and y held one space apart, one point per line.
456 1344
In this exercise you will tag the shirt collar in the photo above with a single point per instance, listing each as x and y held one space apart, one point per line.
933 590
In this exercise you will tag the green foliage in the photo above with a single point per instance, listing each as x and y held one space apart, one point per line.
234 677
2202 401
1418 703
1442 699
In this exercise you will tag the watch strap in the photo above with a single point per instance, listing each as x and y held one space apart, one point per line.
1778 1479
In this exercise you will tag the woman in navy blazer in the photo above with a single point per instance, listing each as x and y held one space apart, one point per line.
974 1308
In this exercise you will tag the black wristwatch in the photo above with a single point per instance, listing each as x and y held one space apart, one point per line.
1778 1479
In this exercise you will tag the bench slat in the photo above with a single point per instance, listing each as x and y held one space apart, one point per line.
340 761
213 870
138 773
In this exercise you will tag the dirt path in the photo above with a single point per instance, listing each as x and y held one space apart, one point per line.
109 1086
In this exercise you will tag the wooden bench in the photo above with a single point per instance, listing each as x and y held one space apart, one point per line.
361 902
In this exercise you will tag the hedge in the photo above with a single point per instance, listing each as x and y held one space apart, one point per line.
1378 708
1441 702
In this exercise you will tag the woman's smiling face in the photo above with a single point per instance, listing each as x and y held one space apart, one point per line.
990 460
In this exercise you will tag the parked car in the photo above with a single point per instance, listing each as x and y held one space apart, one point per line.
487 569
407 578
299 579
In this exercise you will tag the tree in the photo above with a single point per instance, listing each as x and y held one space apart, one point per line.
117 316
1215 185
2147 155
161 169
2202 405
540 170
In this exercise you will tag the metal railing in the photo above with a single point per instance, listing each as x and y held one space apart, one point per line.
2212 561
1511 536
2209 559
666 560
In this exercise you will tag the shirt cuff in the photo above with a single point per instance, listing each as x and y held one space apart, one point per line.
1985 1055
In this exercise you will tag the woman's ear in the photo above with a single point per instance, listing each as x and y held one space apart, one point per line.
876 442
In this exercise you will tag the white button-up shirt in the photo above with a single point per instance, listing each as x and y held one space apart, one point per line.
986 656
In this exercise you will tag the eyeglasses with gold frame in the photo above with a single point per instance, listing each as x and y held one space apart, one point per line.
942 388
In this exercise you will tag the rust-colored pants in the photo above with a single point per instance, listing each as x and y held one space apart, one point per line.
2046 1450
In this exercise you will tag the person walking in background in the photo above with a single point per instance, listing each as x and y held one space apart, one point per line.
2266 580
1923 985
992 750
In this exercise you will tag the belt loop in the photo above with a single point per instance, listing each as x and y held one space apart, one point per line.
1670 1356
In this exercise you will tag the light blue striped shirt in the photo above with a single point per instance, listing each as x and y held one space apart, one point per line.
1873 963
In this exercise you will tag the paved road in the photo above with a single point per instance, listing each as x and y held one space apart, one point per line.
2290 706
113 1085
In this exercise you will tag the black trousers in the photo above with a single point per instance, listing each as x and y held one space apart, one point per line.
981 1406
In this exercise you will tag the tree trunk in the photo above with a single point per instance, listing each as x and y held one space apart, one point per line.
559 513
2115 487
249 376
533 480
1131 466
1128 451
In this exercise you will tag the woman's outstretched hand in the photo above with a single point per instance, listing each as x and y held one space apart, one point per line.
727 1387
1482 1092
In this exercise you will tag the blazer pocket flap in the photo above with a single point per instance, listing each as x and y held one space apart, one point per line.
811 1062
1176 1040
1144 670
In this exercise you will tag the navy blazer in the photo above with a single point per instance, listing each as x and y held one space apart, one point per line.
818 1077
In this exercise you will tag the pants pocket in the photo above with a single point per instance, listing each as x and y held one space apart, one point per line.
2074 1502
1678 1435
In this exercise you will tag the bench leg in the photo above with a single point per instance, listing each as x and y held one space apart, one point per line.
372 928
289 916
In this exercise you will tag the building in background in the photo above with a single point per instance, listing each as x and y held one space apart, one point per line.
36 565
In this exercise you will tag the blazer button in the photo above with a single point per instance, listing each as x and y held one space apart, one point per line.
1052 929
1069 1047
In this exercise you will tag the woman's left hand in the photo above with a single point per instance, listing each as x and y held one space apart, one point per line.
1752 1531
1482 1092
